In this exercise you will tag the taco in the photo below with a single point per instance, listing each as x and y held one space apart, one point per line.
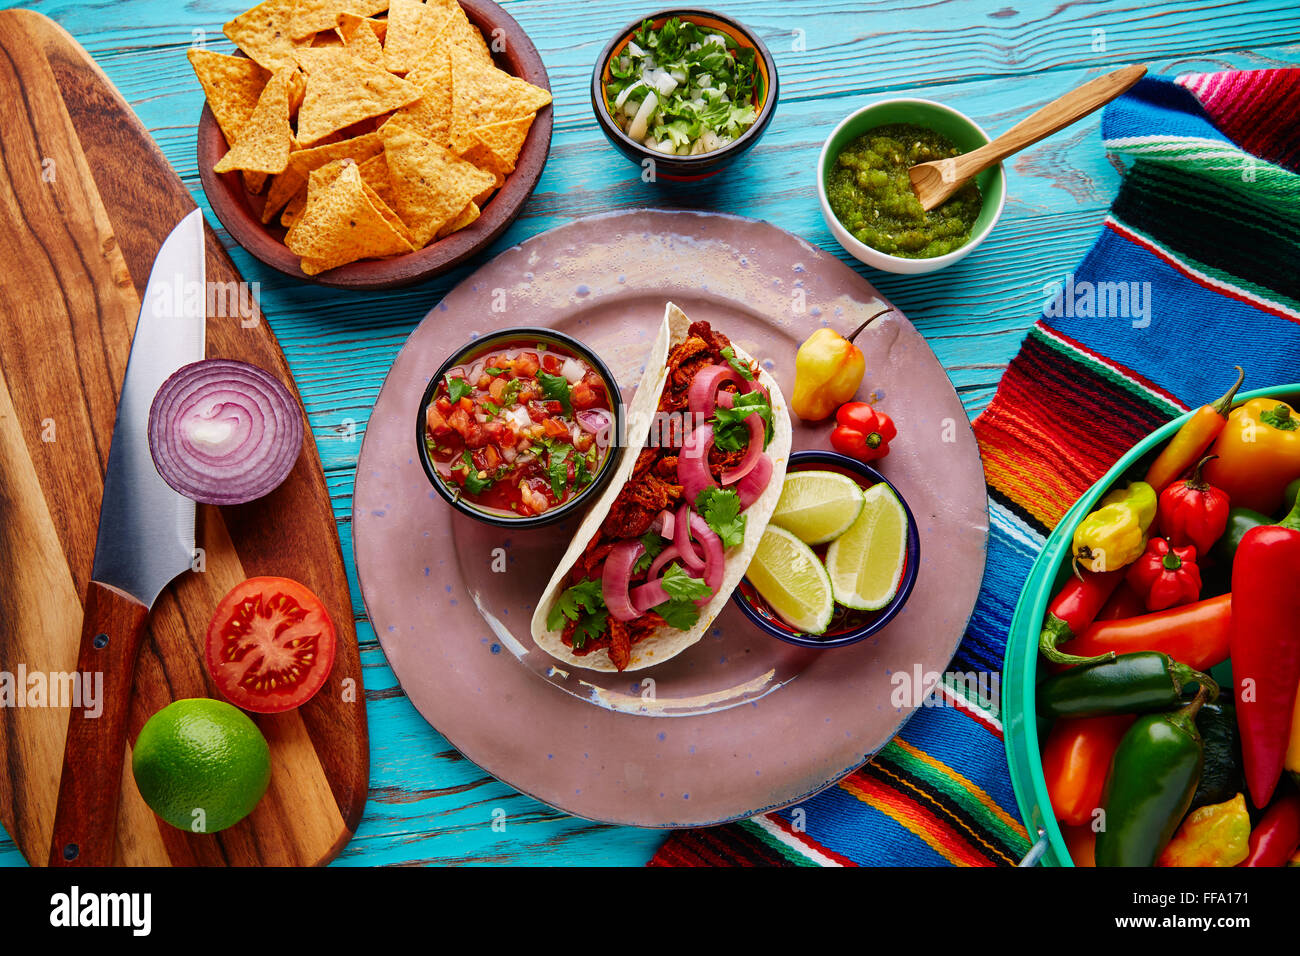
658 555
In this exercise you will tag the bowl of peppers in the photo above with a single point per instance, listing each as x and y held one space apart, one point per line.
1151 686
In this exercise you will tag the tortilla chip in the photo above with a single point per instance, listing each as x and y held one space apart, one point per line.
313 16
253 182
294 209
431 185
264 144
339 225
467 216
412 25
327 39
430 115
303 161
458 31
505 139
232 85
360 38
484 95
342 90
263 33
374 173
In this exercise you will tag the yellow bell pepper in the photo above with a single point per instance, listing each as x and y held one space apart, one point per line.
1258 454
1217 835
828 369
1115 534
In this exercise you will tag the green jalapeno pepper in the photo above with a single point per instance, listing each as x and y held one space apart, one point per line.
1153 776
1133 683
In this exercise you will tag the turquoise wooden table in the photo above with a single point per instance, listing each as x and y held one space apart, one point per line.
993 59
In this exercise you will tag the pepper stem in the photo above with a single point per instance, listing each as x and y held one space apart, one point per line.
1223 405
866 323
1055 632
1171 562
1292 520
1185 718
1197 482
1183 675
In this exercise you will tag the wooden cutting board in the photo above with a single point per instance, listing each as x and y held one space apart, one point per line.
86 199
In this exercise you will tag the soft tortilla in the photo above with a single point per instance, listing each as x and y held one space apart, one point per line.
667 642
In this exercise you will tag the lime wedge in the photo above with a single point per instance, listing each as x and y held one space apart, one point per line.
866 561
818 506
792 581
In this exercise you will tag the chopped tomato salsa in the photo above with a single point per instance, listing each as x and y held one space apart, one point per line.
520 429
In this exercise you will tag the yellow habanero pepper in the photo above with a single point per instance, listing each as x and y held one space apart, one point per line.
1217 835
1116 533
828 369
1259 455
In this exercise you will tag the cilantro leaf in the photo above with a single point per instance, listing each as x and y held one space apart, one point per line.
556 388
494 372
729 430
473 483
589 628
510 394
678 613
586 594
492 407
742 368
678 584
557 467
458 388
721 511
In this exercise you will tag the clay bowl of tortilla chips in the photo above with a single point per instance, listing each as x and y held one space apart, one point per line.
371 144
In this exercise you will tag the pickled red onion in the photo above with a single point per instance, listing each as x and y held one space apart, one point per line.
617 577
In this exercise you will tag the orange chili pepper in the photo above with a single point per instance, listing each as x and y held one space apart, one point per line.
1082 844
1258 455
1195 634
1076 759
1190 442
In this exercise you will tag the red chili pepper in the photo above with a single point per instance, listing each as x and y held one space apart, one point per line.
1265 646
1076 759
1074 608
1164 576
863 433
1276 837
1195 634
1193 512
1125 602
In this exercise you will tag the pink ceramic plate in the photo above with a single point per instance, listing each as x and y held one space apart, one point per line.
740 723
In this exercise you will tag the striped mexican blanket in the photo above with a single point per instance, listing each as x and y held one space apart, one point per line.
1197 269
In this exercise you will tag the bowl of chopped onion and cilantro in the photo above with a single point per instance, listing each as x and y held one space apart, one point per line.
686 90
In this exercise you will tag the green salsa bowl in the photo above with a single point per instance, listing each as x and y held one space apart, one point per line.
963 132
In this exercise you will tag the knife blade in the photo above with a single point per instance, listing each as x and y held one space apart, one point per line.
145 540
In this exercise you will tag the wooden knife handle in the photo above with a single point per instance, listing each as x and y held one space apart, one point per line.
85 820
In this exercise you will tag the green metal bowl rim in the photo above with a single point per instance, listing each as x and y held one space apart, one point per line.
1050 557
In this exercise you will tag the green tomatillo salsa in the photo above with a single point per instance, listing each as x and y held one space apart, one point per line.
870 193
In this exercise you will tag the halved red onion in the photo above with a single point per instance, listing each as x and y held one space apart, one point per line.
617 577
753 452
669 553
714 557
693 463
223 432
682 540
754 483
703 393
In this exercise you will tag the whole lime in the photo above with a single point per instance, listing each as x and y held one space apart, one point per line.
201 764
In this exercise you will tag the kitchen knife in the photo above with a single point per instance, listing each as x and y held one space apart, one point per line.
146 538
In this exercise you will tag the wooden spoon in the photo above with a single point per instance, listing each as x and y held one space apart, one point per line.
935 181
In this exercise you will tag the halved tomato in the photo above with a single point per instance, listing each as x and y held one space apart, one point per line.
270 645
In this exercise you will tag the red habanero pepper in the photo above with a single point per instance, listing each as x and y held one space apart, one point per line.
1195 634
1165 576
1074 608
1076 759
863 433
1193 512
1276 837
1265 647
